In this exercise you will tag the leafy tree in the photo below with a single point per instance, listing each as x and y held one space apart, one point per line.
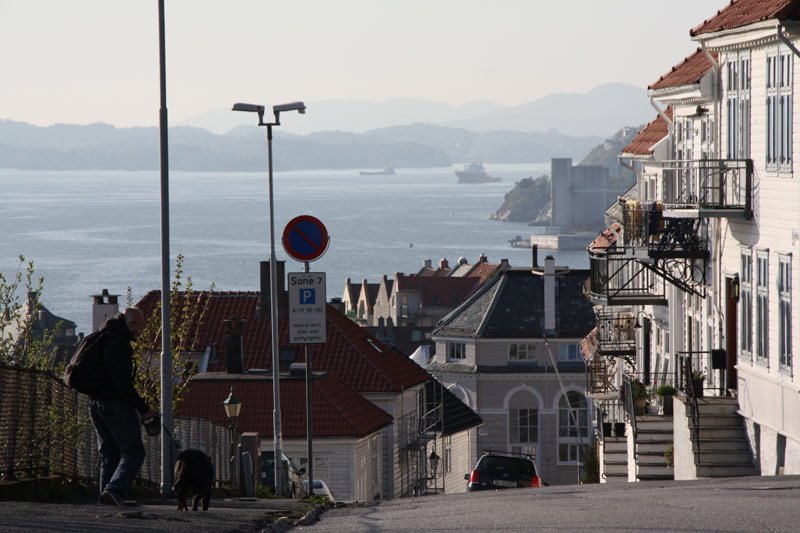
188 309
21 343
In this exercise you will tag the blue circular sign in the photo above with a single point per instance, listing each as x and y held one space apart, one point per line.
305 238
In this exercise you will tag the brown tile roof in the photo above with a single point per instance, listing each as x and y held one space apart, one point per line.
360 360
436 291
651 134
589 345
483 271
741 13
338 410
608 238
688 72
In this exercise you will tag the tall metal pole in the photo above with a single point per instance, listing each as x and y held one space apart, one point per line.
309 414
280 487
166 354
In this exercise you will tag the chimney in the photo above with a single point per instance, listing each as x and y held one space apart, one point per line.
104 305
337 304
534 256
234 327
444 264
549 293
427 263
482 258
504 264
264 301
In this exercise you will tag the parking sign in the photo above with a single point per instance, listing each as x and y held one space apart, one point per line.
307 307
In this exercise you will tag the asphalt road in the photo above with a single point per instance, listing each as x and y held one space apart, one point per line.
736 504
222 516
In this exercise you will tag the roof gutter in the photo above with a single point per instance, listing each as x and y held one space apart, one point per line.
661 112
785 40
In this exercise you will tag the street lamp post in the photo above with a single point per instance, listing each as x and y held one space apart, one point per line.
233 407
300 107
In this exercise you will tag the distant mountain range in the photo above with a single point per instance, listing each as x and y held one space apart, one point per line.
563 125
599 112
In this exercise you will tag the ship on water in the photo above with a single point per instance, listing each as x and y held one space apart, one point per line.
385 171
475 173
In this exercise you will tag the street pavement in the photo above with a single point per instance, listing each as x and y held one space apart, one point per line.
153 515
761 504
734 504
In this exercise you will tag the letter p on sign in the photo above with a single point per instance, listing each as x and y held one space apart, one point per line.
308 296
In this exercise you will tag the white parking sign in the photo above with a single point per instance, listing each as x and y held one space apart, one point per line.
307 299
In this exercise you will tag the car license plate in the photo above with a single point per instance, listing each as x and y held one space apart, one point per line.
504 483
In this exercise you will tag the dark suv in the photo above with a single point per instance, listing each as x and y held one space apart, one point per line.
499 470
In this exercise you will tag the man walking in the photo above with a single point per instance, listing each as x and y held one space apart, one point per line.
116 407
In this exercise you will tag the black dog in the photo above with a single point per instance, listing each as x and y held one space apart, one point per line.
194 473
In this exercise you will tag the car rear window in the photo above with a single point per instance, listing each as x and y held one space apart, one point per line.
510 464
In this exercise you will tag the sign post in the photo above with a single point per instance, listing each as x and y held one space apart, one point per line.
306 239
307 298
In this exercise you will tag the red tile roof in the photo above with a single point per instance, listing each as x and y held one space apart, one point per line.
483 271
651 134
741 13
360 360
589 345
688 72
608 238
338 410
436 291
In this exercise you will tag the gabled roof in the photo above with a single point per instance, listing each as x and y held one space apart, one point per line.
608 237
741 13
512 306
688 72
352 294
483 271
360 360
371 295
437 291
338 410
653 133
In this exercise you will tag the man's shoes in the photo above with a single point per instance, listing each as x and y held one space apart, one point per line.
111 498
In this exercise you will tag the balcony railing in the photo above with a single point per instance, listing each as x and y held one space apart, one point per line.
617 278
709 187
616 336
663 238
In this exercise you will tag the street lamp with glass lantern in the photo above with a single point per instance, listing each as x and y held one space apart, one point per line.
300 107
233 407
433 460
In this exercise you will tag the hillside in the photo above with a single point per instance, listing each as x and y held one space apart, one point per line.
529 200
105 147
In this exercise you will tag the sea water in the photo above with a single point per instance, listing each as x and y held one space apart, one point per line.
89 231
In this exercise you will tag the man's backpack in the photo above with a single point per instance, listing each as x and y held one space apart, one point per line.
85 371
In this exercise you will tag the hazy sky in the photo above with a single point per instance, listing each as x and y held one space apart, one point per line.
84 61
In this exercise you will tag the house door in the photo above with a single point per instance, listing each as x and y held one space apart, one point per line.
731 339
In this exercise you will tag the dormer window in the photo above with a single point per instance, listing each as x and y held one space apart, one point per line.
521 351
456 351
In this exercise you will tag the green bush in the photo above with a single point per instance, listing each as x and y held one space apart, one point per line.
666 390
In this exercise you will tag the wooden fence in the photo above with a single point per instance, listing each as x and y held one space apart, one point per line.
45 430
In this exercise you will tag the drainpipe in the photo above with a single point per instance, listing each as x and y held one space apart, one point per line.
670 124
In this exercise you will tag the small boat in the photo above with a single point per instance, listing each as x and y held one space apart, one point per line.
475 173
385 171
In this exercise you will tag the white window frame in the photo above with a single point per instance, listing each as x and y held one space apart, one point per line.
565 352
456 351
737 107
572 433
515 426
521 351
761 348
785 312
746 304
779 108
